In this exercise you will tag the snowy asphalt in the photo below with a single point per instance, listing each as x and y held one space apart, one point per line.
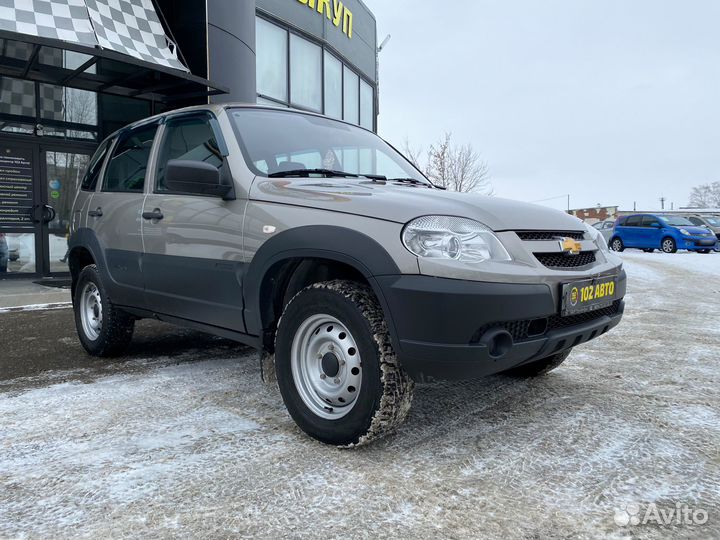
182 439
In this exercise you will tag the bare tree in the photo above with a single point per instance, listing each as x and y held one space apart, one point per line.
457 168
413 154
706 196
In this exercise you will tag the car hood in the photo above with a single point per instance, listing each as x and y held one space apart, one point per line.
695 231
402 202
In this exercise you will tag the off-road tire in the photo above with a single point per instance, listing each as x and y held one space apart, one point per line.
117 326
616 244
668 245
539 367
385 393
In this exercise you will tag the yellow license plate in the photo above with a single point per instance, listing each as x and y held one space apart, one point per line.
587 295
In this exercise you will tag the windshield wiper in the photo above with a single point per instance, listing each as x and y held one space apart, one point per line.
413 181
305 173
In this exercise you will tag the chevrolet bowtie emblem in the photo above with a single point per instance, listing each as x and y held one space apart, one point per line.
570 246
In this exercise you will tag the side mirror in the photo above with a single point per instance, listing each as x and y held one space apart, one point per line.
196 177
655 224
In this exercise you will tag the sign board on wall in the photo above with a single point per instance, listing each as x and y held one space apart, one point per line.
16 188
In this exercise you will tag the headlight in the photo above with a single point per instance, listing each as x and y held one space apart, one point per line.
685 232
597 237
455 238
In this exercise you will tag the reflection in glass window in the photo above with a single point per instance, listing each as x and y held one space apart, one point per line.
189 139
17 253
271 60
17 97
305 73
351 90
366 105
333 87
128 164
263 101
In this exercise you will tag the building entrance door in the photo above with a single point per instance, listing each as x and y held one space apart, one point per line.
37 187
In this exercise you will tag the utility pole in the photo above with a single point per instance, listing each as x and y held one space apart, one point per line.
634 206
662 203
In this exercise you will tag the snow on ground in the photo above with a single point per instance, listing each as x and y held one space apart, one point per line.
204 449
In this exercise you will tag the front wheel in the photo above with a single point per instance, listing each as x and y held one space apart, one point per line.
539 367
336 368
617 245
669 245
103 329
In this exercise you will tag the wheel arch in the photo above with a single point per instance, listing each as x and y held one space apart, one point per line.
83 251
301 256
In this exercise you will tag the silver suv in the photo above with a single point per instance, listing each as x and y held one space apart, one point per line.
320 245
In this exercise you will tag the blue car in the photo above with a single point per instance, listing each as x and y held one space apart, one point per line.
657 231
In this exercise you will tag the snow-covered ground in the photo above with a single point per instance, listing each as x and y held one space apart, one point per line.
174 447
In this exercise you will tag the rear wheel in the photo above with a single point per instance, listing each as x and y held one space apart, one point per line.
668 245
336 369
705 251
539 367
103 329
617 245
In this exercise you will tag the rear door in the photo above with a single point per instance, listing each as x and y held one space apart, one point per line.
193 262
651 231
629 231
114 213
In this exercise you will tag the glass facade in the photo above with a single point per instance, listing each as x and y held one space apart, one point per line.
293 71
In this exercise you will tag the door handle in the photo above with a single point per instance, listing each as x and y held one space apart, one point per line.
155 214
96 213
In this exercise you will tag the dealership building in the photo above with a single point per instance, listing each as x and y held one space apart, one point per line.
74 71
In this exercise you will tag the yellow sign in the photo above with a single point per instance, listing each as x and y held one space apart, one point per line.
335 11
595 292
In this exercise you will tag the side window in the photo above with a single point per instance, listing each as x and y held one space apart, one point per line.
128 163
93 172
632 221
188 138
695 221
649 221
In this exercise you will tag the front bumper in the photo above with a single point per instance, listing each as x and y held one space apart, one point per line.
697 243
438 325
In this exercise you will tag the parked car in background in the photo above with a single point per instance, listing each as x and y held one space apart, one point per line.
657 231
711 222
605 228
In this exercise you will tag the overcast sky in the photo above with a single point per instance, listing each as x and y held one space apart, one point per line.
611 101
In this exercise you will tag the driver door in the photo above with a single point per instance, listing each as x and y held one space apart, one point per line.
193 258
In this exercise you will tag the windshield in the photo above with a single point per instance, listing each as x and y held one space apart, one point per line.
677 221
713 221
281 143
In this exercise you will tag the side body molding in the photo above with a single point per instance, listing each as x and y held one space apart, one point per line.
313 241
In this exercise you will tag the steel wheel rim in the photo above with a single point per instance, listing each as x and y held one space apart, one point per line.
667 246
91 311
328 394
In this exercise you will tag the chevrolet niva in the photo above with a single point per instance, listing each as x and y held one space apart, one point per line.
320 245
